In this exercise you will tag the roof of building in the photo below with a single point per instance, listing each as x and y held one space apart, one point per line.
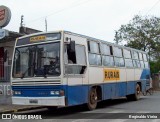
11 37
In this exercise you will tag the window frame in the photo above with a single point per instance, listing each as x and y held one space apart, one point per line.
66 63
94 53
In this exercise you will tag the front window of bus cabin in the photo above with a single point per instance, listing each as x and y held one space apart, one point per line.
40 60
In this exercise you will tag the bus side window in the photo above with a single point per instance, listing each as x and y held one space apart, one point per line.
118 57
140 56
107 55
76 65
127 56
94 53
71 55
111 50
144 57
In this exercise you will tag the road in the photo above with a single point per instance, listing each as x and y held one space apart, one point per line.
113 110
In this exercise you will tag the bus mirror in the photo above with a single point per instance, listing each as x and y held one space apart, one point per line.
72 46
67 40
5 56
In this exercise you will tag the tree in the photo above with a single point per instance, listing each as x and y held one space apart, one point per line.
142 33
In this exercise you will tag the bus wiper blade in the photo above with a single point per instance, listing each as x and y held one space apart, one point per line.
23 74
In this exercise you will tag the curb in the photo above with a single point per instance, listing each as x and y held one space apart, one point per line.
21 109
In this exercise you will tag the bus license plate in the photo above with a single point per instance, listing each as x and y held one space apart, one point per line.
33 101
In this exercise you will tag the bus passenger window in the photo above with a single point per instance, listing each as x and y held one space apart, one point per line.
117 51
105 49
126 53
111 50
142 64
119 62
94 47
140 56
71 55
94 53
128 62
108 60
136 63
135 55
94 59
78 65
144 57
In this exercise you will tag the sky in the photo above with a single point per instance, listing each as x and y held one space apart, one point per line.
95 18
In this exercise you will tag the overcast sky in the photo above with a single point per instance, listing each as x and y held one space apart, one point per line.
95 18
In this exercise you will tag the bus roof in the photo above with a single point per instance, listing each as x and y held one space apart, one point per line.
102 41
81 35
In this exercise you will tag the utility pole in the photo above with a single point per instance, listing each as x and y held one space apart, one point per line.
116 38
46 24
21 25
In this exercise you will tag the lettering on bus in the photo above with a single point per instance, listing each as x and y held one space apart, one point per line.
37 38
111 74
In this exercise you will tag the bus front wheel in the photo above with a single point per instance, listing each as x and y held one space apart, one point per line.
92 99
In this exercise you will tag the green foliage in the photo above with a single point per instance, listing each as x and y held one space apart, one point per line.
142 33
155 66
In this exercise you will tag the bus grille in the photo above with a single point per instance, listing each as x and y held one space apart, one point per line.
35 83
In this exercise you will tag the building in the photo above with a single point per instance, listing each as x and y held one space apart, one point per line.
7 42
6 52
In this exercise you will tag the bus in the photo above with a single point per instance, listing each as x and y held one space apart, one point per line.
63 68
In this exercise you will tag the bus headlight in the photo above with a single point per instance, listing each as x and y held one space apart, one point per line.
54 92
61 93
17 92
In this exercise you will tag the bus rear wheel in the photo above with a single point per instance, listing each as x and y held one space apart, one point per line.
92 99
137 94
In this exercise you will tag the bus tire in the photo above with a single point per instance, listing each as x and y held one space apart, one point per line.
136 96
138 93
92 99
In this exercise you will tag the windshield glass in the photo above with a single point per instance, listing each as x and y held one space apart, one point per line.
37 60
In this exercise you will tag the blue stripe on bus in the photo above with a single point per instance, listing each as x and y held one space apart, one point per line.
38 91
78 94
145 73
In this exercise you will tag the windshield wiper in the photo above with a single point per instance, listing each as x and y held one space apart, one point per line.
31 66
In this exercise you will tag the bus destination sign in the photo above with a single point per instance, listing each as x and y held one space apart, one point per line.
37 38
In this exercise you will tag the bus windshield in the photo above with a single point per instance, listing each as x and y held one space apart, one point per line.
40 60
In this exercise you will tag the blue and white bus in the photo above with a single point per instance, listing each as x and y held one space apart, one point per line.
62 68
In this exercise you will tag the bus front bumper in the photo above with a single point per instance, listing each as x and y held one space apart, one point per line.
44 101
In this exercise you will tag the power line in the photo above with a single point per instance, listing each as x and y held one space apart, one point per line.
153 7
61 10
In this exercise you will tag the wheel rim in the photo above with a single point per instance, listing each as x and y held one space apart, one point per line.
93 97
138 90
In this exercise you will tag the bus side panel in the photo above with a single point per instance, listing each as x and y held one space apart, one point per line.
96 75
145 75
114 90
121 83
107 89
77 95
131 87
122 86
143 85
130 81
